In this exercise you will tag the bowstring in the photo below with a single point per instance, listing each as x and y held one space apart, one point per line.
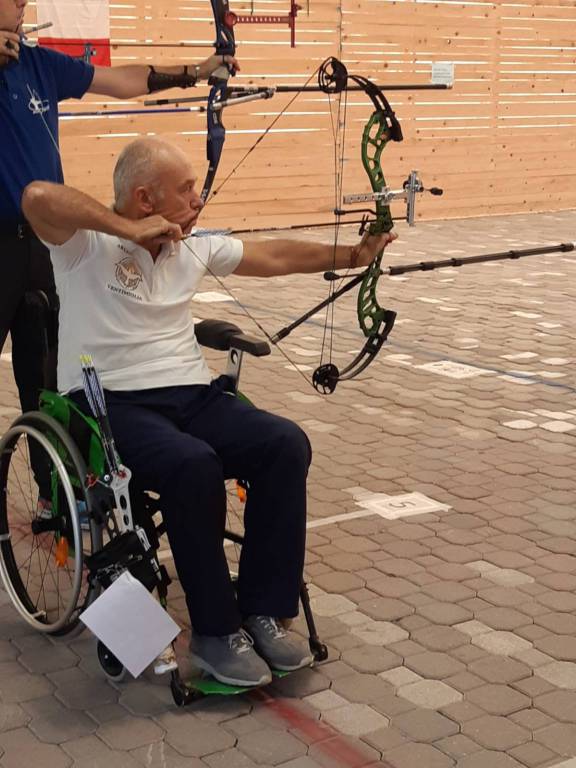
338 134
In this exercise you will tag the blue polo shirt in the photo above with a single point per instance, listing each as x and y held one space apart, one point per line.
30 90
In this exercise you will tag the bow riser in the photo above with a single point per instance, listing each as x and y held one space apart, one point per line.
225 45
375 137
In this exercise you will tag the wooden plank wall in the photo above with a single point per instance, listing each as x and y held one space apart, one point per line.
502 140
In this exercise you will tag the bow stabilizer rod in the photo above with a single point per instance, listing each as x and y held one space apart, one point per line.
239 94
428 266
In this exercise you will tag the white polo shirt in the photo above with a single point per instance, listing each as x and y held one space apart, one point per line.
132 314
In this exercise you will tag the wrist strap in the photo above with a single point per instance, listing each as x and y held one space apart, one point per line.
160 81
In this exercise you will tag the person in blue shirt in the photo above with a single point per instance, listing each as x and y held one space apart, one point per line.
33 81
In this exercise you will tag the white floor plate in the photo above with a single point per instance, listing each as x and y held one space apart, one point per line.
404 505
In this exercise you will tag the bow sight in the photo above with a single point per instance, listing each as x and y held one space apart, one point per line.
411 187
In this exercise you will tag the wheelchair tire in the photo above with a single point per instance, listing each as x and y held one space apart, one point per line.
320 651
111 666
42 555
183 694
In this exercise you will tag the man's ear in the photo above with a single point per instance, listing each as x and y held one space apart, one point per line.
144 199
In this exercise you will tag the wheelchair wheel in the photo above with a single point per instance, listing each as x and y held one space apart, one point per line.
111 666
182 693
42 551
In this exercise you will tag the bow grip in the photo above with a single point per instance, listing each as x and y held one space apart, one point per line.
381 225
220 75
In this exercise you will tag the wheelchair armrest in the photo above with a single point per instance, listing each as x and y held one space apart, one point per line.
39 303
42 310
45 309
222 335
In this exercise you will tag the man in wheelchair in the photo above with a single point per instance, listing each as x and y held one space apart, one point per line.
125 280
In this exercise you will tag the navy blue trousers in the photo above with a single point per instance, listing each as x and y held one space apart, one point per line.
183 442
25 266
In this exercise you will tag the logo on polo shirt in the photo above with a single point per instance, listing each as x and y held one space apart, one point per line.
128 274
37 105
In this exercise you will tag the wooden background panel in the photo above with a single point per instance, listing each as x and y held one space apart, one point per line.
502 140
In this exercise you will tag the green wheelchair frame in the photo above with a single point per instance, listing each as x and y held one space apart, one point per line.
80 532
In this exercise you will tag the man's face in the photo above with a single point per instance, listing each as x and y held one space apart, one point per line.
179 199
12 14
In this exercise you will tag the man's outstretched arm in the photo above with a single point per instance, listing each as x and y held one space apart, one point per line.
128 81
285 257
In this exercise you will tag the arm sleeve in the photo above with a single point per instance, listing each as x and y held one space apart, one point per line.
73 252
72 76
225 255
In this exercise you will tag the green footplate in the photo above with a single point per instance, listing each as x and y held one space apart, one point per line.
208 686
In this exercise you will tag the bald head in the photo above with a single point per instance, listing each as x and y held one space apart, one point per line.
143 163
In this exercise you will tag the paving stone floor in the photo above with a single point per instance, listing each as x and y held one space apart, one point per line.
441 549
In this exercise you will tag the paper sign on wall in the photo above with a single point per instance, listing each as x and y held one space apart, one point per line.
442 73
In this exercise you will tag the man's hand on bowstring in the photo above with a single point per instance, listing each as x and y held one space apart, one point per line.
214 62
154 230
363 254
9 45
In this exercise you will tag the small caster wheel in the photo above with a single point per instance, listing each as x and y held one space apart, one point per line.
112 668
320 651
181 694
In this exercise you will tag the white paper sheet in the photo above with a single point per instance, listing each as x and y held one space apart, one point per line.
442 73
130 623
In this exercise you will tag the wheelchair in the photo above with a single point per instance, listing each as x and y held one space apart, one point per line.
55 561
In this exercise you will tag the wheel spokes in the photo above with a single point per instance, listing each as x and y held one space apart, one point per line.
43 561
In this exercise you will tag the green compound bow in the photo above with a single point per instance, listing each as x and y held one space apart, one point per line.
375 321
382 127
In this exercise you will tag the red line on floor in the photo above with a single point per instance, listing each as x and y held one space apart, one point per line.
334 745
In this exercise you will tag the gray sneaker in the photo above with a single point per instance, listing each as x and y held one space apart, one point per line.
231 659
276 645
